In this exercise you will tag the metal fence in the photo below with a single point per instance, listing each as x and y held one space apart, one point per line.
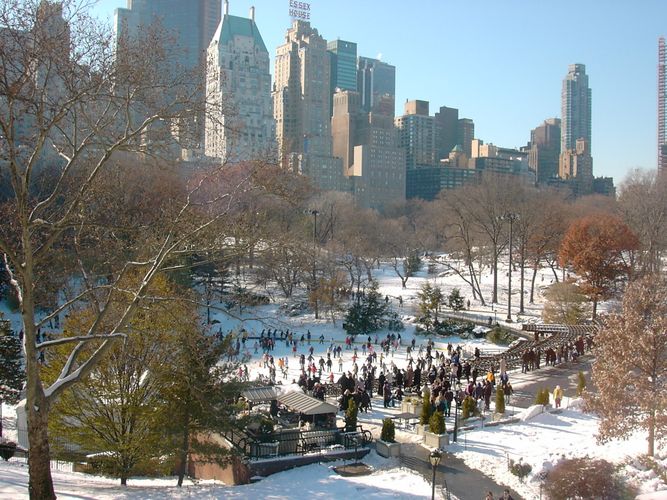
297 442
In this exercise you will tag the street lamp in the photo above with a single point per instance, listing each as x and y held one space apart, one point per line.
434 458
457 399
511 217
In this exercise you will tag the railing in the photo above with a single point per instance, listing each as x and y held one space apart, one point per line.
297 442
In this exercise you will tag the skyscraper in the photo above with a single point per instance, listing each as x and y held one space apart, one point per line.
343 65
239 119
191 24
465 135
368 144
301 107
446 125
662 105
416 133
544 151
189 28
376 83
575 108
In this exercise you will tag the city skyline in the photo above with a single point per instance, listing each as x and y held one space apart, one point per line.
502 64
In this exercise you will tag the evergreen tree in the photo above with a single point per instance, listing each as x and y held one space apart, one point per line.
455 300
12 372
436 424
122 408
500 400
388 434
430 297
581 383
351 416
199 394
426 408
368 314
469 407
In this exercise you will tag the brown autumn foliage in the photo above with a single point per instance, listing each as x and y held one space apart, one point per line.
631 365
598 248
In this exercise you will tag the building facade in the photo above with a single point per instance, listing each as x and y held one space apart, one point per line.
662 105
575 108
376 84
417 134
239 118
301 107
544 153
446 128
368 144
465 134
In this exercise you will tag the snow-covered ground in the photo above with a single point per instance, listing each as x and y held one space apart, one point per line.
313 482
540 441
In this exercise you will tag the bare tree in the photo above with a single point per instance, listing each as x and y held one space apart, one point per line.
70 103
643 205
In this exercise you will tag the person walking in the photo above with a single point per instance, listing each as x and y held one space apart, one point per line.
558 395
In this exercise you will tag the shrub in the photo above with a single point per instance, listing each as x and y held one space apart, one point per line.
351 416
542 397
7 449
388 434
500 400
469 407
426 409
581 383
436 423
520 469
586 478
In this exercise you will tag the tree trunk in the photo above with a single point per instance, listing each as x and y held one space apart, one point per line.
523 268
651 434
532 285
40 483
494 297
183 452
123 481
595 308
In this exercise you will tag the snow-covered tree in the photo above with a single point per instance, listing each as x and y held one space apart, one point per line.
629 374
455 300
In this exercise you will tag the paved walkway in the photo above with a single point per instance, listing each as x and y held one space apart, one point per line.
526 385
462 482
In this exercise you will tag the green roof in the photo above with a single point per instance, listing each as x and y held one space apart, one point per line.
457 149
232 26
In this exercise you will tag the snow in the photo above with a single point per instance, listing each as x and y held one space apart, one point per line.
387 480
539 438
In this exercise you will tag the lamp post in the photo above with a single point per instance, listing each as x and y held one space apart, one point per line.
511 217
457 399
434 458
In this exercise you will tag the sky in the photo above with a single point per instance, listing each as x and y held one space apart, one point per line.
502 62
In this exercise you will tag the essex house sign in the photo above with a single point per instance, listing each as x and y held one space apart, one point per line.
299 10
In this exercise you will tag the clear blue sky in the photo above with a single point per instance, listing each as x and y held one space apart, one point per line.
501 62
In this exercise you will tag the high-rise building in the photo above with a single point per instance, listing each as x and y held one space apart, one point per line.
368 145
191 24
301 107
376 83
189 28
662 105
544 153
576 165
446 127
575 108
465 134
239 118
343 65
416 134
